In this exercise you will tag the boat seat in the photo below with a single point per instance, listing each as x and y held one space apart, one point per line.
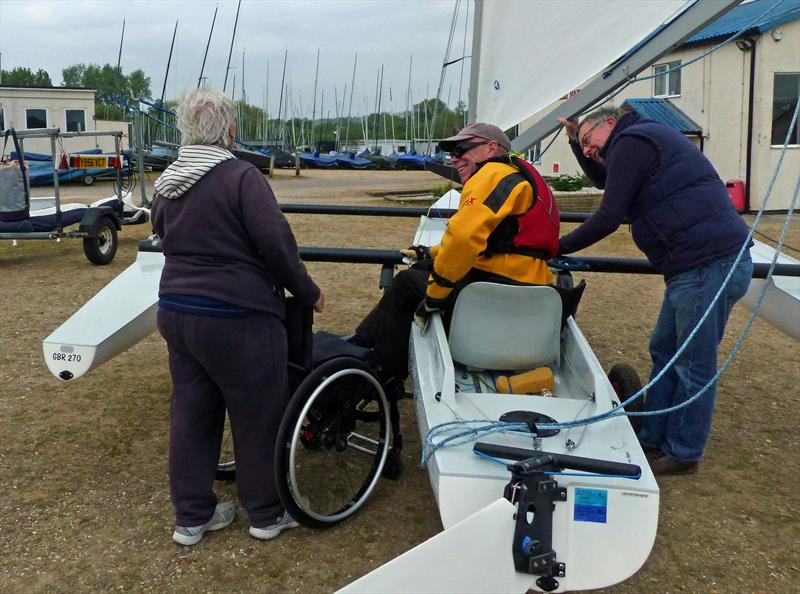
506 327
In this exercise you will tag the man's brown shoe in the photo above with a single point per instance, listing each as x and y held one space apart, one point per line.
666 465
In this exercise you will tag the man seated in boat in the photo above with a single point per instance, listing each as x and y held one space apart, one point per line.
505 230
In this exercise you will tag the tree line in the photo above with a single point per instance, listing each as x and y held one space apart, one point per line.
427 118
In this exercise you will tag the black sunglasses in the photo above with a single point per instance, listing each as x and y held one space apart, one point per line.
461 149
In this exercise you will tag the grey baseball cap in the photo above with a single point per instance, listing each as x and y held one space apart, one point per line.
479 130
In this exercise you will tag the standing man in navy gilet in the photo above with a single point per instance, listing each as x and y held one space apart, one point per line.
682 219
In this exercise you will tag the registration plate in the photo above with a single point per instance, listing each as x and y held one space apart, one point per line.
89 161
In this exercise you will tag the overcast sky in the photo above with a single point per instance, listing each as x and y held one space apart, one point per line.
54 34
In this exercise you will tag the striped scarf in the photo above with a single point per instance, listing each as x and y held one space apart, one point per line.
193 162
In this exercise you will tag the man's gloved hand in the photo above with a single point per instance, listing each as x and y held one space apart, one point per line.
422 315
416 252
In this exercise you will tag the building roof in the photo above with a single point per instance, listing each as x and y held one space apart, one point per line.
664 112
748 16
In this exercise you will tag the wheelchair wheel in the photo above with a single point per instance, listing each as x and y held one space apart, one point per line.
332 443
226 467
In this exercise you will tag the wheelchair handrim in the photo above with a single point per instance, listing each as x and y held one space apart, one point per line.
296 436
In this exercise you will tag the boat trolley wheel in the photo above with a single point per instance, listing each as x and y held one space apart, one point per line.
102 247
332 443
626 382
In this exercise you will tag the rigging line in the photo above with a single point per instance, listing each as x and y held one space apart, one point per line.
683 65
748 326
620 410
442 75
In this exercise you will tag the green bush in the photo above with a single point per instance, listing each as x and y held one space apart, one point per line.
439 191
568 182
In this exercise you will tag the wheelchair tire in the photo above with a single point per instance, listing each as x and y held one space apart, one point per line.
332 443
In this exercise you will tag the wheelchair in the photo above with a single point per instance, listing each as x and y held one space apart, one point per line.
339 433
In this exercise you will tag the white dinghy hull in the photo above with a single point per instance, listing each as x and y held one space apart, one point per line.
597 550
781 305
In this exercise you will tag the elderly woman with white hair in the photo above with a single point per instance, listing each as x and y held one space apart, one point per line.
229 255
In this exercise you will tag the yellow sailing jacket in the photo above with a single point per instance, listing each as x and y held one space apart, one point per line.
488 197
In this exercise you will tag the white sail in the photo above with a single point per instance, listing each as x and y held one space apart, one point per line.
533 53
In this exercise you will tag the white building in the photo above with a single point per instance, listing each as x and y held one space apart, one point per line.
70 109
742 96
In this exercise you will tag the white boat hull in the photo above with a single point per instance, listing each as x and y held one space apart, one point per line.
602 530
112 321
781 305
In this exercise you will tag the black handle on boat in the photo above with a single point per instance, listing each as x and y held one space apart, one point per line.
532 460
588 263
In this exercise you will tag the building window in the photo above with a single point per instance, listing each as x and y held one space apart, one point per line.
35 118
2 119
667 82
785 94
76 120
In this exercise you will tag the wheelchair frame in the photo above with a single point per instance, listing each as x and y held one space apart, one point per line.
340 431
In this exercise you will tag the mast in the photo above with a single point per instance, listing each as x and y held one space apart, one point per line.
350 109
474 68
208 44
314 103
377 107
119 55
339 113
321 108
169 60
408 98
461 77
230 51
445 64
280 102
391 110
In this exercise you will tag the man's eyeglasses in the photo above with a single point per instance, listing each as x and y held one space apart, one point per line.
463 148
584 139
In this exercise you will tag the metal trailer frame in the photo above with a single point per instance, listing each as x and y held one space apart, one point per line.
90 223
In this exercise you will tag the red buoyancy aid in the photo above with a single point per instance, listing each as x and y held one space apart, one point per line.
536 232
540 226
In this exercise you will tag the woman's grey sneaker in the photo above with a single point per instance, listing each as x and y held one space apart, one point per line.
269 532
191 535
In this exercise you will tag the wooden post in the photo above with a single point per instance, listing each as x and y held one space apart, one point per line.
271 164
297 164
